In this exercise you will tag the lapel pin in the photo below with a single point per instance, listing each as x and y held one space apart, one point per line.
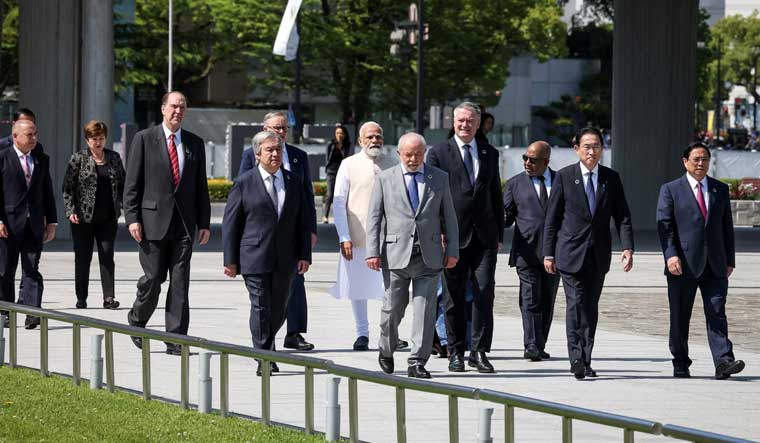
430 176
295 160
483 152
577 181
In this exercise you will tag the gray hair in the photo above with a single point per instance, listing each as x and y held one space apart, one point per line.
274 114
411 137
366 124
470 106
262 136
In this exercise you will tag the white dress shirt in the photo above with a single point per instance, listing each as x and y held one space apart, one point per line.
279 186
178 144
285 158
693 184
473 151
594 179
29 163
547 183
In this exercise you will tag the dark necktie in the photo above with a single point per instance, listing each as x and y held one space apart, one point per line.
174 160
590 193
27 169
273 194
701 201
543 196
412 192
468 164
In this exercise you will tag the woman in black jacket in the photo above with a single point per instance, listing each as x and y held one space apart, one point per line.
338 149
92 193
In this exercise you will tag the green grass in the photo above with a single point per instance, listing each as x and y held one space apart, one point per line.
52 409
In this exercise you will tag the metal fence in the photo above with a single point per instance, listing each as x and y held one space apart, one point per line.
628 425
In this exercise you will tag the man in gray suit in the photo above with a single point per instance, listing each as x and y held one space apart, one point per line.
412 234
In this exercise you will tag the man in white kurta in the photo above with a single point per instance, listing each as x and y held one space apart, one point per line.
353 188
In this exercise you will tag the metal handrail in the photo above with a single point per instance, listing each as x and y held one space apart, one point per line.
629 425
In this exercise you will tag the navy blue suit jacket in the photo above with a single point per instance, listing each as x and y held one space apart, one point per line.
524 210
299 165
479 208
684 233
254 238
570 229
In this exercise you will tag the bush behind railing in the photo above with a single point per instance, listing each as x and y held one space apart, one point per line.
219 188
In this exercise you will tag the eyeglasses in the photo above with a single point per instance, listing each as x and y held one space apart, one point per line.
279 128
699 160
531 160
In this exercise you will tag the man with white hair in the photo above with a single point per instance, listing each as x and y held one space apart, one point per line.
353 188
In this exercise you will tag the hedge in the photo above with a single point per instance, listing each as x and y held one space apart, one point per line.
219 188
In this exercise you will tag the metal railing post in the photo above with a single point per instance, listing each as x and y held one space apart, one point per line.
509 424
146 368
184 362
400 415
96 361
266 373
110 383
567 430
44 347
204 382
484 426
224 384
13 339
353 410
76 353
2 344
332 410
309 400
453 419
627 436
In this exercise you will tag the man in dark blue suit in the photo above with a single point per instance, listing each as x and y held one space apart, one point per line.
27 217
578 244
21 114
266 237
296 161
697 237
526 198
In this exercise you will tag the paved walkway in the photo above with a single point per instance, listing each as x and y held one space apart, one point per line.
631 355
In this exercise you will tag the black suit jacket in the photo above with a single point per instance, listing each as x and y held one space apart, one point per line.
149 192
17 201
684 233
479 209
570 229
299 165
254 238
524 209
7 142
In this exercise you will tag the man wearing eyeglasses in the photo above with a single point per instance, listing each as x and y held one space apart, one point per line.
578 244
526 198
296 161
696 232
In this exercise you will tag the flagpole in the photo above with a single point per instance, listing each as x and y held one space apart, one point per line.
298 130
171 49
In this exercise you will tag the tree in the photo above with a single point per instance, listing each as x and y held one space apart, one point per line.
9 48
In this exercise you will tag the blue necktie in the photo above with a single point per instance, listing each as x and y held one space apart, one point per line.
590 193
411 190
469 164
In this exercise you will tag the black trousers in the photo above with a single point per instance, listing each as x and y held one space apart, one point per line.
269 294
477 264
582 292
682 291
171 254
538 291
298 317
29 249
103 234
330 192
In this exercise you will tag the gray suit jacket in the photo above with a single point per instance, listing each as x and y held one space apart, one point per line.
391 223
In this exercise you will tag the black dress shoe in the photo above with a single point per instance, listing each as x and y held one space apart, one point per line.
532 353
589 372
456 363
386 363
272 368
725 369
402 344
173 349
545 355
110 303
297 342
681 372
480 361
137 341
81 304
31 322
417 371
578 368
361 343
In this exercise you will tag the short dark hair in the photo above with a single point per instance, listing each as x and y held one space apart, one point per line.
165 97
23 111
587 130
693 146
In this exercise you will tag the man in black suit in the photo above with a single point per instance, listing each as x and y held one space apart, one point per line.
578 244
21 114
526 198
27 217
165 200
697 236
473 169
296 161
266 238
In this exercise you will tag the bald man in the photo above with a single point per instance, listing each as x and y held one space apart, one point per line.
27 217
525 200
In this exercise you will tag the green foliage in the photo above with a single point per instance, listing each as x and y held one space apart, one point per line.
320 188
742 189
35 409
219 189
9 47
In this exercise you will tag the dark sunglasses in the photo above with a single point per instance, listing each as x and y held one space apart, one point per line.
531 160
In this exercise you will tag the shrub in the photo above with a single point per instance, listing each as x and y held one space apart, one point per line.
320 188
219 188
742 189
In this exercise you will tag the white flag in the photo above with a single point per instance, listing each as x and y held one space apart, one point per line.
286 43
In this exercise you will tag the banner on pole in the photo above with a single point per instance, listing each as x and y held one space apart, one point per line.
286 43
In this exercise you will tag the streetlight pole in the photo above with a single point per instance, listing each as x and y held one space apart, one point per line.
171 49
718 85
754 88
420 66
